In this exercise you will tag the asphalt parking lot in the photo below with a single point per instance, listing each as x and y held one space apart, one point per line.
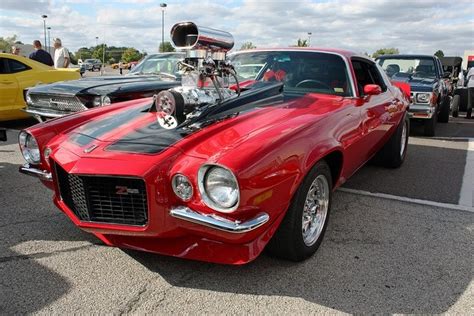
398 241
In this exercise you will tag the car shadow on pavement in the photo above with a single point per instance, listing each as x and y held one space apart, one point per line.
32 229
377 256
428 173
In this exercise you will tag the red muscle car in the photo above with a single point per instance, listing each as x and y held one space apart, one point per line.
224 165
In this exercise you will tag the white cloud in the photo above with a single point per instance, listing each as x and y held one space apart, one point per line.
359 25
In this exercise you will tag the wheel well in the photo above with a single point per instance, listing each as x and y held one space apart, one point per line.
334 161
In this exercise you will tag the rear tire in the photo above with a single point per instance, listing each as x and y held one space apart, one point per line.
455 105
302 230
393 153
444 113
430 125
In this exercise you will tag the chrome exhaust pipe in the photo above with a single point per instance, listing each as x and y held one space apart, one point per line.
189 36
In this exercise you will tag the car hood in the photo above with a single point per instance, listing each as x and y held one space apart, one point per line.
137 131
418 84
103 85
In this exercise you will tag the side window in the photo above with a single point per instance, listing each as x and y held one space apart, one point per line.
367 73
16 66
377 77
3 66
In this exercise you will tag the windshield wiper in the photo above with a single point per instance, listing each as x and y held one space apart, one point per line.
163 74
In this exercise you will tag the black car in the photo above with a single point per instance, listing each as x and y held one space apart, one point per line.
155 73
430 101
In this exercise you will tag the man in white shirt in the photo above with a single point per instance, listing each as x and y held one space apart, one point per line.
470 92
61 55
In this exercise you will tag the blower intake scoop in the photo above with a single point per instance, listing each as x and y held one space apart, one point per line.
205 72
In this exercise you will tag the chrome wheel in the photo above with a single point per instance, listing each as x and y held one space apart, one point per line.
315 210
403 141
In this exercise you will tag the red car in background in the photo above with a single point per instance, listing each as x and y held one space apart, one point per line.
226 164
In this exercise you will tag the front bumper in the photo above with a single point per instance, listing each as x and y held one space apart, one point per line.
44 113
421 111
35 172
217 222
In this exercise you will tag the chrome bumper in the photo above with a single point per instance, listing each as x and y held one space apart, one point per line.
45 113
419 111
41 174
217 222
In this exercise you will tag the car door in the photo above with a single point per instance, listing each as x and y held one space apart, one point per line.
8 86
375 109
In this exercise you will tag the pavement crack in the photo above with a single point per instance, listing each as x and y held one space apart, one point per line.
37 220
132 304
40 255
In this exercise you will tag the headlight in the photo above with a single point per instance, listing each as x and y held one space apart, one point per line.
219 188
423 97
106 100
97 101
29 148
28 98
182 187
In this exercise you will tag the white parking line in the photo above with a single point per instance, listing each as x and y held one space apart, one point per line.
409 200
466 197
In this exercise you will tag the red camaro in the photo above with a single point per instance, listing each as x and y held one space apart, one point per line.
243 156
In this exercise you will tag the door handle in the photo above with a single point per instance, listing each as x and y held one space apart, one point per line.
6 82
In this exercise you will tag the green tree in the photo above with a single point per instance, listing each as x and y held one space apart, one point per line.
166 47
72 58
83 53
131 54
98 53
247 45
6 43
439 53
302 43
385 51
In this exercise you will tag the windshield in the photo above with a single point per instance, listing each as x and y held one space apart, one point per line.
300 71
89 60
408 67
158 64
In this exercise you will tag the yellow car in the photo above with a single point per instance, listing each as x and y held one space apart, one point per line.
19 73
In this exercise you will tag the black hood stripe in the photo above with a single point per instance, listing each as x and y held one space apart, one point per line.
153 138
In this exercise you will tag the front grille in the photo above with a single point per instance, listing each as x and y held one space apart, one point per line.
104 199
66 104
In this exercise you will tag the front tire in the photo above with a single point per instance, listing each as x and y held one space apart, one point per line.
302 230
430 125
444 113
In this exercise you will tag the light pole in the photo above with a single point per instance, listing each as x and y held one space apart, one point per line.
309 39
44 16
49 39
163 6
103 57
96 39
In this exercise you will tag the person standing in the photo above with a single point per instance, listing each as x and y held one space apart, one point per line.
16 50
40 55
61 55
120 66
470 92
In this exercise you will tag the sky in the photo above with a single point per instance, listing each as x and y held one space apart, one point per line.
422 26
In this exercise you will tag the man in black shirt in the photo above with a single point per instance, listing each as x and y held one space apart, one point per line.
41 55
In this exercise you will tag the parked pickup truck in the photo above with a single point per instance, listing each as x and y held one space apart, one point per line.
429 90
92 64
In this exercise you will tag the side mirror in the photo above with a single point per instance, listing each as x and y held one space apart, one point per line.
372 89
446 74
